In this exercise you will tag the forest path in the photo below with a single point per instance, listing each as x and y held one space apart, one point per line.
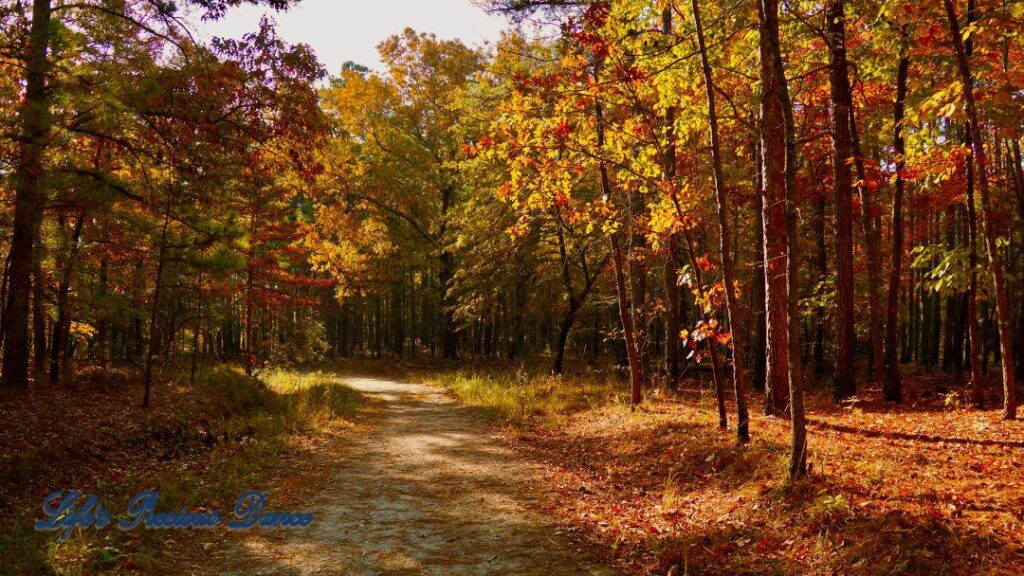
429 490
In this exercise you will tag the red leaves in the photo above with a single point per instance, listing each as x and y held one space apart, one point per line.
705 264
564 129
587 32
597 14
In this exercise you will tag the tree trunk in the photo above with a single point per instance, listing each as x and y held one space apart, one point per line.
636 375
38 316
894 392
1018 176
981 175
450 343
821 266
716 365
973 331
841 105
776 249
34 117
3 294
154 310
102 324
197 328
871 222
731 304
758 315
251 349
637 267
573 304
776 164
62 329
716 375
672 328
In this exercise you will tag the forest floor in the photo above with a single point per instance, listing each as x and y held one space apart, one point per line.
928 487
401 478
200 446
523 473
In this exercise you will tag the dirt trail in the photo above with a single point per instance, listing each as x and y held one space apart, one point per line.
428 491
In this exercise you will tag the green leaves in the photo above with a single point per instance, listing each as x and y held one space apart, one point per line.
946 271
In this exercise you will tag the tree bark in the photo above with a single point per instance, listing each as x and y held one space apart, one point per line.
636 378
758 313
34 117
777 165
841 105
776 246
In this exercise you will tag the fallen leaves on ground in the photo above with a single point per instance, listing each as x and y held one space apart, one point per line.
920 488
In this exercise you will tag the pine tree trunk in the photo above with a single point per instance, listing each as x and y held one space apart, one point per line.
778 165
34 118
758 315
776 245
841 104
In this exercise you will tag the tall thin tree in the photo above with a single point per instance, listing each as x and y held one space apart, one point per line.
978 140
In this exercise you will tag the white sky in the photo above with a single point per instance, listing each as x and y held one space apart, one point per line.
341 30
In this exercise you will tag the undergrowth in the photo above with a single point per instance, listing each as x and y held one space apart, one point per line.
200 448
520 395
